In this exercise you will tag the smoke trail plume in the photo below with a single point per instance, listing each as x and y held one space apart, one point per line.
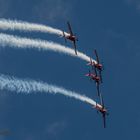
18 42
7 24
30 86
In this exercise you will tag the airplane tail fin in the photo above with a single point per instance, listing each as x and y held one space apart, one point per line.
64 37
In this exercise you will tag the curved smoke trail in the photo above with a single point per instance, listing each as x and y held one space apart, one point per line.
7 24
32 86
19 42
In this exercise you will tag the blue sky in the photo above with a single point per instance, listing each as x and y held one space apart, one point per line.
112 27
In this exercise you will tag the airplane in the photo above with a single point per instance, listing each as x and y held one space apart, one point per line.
71 37
93 76
103 111
97 64
96 78
101 108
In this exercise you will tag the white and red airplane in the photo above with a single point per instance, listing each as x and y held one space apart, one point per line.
96 78
102 110
93 77
71 37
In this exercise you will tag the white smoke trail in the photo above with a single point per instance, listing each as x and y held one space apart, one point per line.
19 42
7 24
31 86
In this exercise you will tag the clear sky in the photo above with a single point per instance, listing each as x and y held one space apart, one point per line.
111 27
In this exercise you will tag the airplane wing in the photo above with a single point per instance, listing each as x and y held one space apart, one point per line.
98 89
102 101
95 70
70 30
104 120
75 47
100 73
97 56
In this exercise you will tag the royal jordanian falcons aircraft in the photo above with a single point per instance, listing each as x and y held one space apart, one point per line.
101 109
71 37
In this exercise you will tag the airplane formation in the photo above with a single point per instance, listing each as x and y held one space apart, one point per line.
95 73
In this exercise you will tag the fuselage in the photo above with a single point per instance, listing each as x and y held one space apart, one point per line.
71 37
101 109
99 66
94 77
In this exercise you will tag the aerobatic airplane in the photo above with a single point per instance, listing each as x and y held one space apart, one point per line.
71 37
103 111
97 65
93 76
96 78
